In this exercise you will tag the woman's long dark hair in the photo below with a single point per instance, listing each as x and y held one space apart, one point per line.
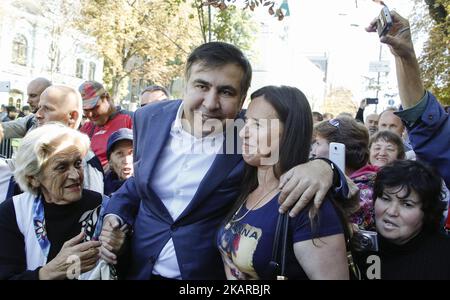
295 114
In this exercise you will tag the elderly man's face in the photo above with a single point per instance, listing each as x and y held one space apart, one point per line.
51 110
121 159
34 91
372 123
61 178
389 121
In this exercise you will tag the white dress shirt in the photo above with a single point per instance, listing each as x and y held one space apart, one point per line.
183 163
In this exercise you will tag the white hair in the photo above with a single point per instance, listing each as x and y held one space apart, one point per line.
38 145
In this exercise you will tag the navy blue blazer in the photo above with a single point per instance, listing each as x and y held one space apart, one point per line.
194 231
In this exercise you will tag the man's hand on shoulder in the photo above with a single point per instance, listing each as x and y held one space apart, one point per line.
303 183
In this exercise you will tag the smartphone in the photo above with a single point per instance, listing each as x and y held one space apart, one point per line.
337 155
384 21
372 100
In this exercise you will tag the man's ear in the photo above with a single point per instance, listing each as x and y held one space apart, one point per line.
107 98
73 117
33 181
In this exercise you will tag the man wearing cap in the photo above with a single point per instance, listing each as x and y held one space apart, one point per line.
153 93
103 116
120 156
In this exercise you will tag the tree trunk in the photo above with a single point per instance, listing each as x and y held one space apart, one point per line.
116 80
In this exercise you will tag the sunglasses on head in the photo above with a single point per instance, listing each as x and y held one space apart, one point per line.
334 122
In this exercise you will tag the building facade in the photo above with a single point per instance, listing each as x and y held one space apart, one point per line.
34 44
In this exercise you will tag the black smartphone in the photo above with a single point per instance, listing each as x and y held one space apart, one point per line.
371 101
384 21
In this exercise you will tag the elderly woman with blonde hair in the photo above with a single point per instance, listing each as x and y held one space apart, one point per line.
47 232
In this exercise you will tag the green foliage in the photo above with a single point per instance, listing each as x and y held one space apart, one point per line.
139 39
234 26
250 5
228 23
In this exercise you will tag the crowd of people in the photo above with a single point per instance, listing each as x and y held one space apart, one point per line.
201 188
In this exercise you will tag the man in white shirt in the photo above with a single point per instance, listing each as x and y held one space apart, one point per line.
184 184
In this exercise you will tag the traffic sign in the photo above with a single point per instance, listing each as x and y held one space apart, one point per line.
379 66
5 86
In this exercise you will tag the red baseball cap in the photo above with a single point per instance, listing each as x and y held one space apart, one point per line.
91 91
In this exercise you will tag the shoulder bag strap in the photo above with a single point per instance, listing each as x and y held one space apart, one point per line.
278 261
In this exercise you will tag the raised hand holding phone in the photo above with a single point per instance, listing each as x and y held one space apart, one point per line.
384 21
371 101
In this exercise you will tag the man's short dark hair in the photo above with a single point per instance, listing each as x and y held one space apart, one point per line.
219 54
414 175
154 88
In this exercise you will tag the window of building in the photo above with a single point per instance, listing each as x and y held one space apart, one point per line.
92 67
19 50
58 62
54 57
79 68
